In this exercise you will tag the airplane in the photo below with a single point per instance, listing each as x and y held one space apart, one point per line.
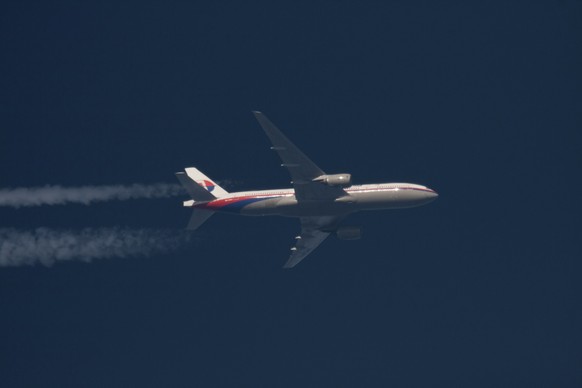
320 201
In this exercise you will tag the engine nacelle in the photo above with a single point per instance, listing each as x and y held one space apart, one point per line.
340 180
349 232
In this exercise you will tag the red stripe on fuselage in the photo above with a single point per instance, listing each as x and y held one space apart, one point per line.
217 204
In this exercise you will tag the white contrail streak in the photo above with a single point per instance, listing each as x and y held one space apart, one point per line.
47 246
58 195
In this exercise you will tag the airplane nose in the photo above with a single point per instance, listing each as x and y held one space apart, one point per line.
431 195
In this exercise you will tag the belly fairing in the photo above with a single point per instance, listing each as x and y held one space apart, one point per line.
265 206
288 206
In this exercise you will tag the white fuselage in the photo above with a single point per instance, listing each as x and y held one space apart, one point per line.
284 203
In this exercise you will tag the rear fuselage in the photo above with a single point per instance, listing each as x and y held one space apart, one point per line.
358 197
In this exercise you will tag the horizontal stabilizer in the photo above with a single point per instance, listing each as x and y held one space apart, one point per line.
197 192
198 218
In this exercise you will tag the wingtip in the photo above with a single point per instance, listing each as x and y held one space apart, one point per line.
257 112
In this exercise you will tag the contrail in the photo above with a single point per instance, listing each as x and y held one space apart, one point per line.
58 195
47 246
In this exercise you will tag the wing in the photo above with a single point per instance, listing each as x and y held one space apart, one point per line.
313 231
301 168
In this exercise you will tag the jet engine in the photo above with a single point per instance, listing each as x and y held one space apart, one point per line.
341 180
349 232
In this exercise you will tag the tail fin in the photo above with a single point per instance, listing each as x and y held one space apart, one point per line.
199 186
206 182
201 189
196 192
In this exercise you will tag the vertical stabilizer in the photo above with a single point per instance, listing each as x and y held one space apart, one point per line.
211 186
196 192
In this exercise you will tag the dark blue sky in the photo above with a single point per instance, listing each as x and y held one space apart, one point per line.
481 102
